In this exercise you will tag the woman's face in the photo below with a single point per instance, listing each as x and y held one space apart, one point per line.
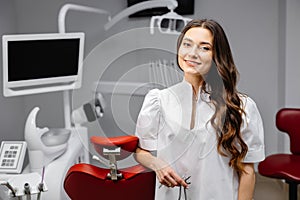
195 52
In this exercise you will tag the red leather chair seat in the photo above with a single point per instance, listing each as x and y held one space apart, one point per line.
85 181
281 166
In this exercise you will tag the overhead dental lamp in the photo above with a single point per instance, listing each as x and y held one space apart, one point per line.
169 23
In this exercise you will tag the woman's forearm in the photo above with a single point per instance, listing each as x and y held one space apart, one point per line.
145 158
247 183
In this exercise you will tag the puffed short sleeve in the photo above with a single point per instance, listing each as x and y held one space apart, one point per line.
253 133
148 121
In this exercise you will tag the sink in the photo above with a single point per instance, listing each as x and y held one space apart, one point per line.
56 136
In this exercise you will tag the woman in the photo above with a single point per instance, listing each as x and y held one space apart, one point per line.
201 129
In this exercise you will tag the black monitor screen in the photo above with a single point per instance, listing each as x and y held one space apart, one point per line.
35 59
185 7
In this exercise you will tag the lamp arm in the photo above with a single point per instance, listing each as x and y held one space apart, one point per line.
171 4
63 12
62 29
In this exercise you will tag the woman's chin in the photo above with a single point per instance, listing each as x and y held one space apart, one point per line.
192 72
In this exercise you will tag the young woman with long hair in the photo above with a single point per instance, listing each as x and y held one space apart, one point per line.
206 135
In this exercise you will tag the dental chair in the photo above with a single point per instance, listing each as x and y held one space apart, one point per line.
86 181
286 166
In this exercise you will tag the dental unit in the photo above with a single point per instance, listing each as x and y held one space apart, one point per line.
55 150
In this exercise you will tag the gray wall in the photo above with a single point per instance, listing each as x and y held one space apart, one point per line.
292 54
262 35
292 58
11 109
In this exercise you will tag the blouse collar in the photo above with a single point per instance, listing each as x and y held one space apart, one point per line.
201 94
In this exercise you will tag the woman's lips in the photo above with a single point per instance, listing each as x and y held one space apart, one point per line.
192 63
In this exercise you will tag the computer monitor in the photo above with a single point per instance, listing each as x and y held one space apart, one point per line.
38 63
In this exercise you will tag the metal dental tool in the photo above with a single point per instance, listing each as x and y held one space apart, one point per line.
27 191
13 191
184 189
41 185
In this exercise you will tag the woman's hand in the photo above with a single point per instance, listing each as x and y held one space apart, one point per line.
166 175
164 172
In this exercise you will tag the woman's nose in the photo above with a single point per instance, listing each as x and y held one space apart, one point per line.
193 51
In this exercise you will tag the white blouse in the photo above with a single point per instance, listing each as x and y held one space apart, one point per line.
163 126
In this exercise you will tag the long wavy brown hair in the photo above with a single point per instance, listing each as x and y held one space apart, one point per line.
220 83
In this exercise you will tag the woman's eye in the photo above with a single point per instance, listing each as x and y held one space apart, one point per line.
204 48
186 44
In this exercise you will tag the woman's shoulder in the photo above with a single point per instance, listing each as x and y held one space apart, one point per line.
157 99
249 105
246 99
153 96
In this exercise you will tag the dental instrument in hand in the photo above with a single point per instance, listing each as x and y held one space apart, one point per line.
184 189
185 180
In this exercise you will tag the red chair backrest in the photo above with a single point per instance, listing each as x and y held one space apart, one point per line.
288 121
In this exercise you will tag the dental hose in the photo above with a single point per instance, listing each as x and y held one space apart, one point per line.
41 185
13 191
27 191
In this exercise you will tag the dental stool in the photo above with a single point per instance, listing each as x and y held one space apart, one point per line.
286 166
86 181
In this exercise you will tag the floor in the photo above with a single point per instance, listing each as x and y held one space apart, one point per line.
271 189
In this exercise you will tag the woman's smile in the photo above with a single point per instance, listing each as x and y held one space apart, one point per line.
192 63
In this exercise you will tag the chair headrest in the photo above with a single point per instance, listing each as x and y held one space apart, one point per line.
128 144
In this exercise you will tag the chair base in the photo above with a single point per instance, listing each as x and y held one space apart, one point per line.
293 190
